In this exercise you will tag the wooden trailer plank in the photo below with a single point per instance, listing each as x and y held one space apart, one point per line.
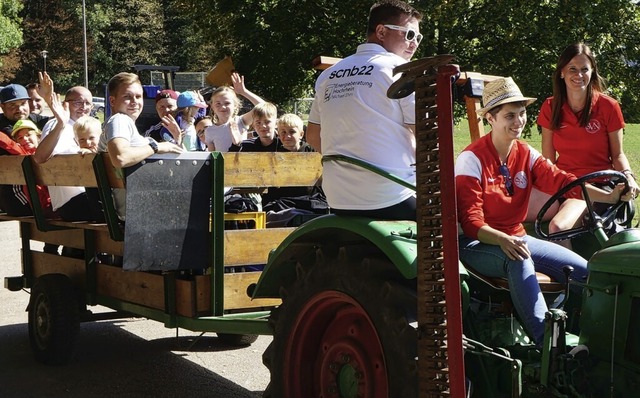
278 169
11 170
135 287
66 170
44 263
235 291
252 246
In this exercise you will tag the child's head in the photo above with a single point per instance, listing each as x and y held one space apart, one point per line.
224 103
189 102
125 94
27 134
87 130
264 121
201 124
290 131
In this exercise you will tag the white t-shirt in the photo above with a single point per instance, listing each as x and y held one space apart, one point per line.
357 119
120 126
220 136
66 145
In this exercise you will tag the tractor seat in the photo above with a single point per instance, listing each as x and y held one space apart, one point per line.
498 283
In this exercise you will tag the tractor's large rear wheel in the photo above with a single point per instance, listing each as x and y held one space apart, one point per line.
345 330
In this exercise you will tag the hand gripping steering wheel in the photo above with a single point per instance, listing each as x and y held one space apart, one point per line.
592 220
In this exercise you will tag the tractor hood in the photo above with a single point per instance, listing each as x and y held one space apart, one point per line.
621 254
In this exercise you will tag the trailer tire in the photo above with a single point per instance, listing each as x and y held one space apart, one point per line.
345 328
238 340
54 319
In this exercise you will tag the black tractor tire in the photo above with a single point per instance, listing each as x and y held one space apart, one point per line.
346 328
54 319
237 340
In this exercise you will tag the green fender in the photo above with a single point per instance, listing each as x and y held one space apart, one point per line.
395 239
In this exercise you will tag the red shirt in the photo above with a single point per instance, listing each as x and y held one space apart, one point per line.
481 192
582 150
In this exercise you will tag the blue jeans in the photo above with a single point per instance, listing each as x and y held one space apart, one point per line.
546 257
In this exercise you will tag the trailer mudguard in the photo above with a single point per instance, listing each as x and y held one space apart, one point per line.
395 239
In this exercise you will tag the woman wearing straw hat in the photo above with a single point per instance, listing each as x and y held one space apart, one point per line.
581 131
494 179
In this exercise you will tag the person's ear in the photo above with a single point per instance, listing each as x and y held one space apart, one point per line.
489 117
380 32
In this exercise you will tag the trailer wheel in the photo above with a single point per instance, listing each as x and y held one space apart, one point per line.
344 330
239 340
54 319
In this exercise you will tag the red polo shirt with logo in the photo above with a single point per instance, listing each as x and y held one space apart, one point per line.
582 150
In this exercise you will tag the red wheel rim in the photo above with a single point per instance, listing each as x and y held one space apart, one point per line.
334 351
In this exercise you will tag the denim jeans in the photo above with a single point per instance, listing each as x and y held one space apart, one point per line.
546 257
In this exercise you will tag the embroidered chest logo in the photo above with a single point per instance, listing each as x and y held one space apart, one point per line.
520 180
593 126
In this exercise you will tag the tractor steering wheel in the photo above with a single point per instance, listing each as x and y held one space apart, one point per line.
592 220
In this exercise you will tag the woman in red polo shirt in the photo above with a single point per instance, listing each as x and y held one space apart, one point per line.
581 131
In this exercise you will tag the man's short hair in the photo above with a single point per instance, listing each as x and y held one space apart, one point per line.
121 79
389 12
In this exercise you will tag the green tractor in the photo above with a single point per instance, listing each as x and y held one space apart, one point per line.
376 308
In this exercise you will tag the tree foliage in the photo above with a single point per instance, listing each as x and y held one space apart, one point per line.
273 42
10 33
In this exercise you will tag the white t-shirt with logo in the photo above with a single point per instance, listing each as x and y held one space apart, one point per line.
358 120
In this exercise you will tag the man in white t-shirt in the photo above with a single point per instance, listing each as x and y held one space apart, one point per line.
120 137
58 138
351 115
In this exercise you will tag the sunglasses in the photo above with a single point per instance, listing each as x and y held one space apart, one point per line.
409 34
508 182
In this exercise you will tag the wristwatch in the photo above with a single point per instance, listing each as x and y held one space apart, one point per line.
628 173
153 144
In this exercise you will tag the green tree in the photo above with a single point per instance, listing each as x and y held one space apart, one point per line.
10 32
492 38
125 33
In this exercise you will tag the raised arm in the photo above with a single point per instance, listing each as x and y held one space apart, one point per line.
48 144
240 89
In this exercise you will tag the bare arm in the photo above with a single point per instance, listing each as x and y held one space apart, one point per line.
171 124
548 151
46 86
122 154
48 144
241 89
599 195
619 159
313 136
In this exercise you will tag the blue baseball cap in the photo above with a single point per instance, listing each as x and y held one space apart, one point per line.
13 92
189 98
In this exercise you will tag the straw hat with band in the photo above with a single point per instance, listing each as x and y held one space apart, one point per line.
501 91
